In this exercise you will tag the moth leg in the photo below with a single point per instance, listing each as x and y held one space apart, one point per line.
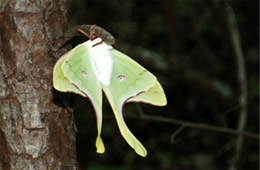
99 33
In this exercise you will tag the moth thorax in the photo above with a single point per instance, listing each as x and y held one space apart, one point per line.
102 62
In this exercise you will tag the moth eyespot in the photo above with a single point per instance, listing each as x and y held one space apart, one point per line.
120 78
84 74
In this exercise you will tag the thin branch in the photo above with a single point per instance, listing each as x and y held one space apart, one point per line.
178 131
194 125
242 82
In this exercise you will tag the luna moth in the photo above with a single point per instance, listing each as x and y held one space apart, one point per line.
95 66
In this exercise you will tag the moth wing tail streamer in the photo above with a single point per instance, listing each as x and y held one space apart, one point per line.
128 79
78 70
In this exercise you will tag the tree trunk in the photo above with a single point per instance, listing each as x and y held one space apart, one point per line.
34 132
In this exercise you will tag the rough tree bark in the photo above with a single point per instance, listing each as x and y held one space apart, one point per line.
34 132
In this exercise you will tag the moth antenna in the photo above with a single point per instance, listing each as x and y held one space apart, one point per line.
92 32
92 28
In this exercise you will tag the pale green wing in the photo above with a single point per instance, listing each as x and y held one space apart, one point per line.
78 70
60 82
128 80
154 95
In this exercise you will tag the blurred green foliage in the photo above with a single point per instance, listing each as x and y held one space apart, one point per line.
223 89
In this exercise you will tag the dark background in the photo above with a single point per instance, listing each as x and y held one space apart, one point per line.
186 44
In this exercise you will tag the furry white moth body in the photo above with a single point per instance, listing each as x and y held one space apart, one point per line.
101 60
